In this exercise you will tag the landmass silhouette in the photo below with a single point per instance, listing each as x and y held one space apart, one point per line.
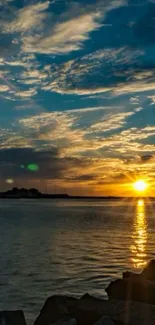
33 193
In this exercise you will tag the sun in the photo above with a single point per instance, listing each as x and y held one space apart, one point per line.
140 185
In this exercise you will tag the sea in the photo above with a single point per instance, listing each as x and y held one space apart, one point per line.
70 247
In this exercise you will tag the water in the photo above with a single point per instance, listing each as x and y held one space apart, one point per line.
69 247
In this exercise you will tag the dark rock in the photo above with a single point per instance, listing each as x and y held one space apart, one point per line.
86 296
12 317
71 321
149 271
88 301
119 322
59 308
124 289
71 302
54 309
132 276
85 316
104 320
147 274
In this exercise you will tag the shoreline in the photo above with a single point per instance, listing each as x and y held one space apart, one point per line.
131 301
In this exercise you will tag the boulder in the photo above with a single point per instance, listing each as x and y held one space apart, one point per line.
149 271
54 310
88 301
85 315
63 309
12 317
147 274
104 320
132 276
71 321
125 289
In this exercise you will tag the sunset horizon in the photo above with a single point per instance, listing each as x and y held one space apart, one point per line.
77 96
77 162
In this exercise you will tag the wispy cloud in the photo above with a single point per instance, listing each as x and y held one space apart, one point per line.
3 88
27 18
65 36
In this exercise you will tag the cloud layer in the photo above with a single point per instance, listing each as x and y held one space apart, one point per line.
77 93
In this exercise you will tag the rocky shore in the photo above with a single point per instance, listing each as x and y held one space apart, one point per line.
131 302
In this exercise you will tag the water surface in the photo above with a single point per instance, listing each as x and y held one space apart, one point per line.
69 247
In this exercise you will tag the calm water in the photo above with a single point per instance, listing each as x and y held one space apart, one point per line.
69 247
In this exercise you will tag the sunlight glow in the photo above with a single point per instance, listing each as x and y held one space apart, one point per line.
139 236
140 185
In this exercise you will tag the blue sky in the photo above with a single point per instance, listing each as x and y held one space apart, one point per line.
77 94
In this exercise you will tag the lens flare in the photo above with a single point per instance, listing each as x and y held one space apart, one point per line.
33 167
9 181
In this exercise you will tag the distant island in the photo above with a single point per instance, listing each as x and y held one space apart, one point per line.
29 193
33 193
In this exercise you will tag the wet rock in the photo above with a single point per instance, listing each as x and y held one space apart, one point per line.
132 276
147 274
149 271
143 291
54 310
12 318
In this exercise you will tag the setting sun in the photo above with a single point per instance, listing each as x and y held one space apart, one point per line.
140 185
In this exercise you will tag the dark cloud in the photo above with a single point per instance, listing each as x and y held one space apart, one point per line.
14 164
26 155
12 159
85 177
146 158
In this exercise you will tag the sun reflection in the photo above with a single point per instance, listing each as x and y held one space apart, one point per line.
139 237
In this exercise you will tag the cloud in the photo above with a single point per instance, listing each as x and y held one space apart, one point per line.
146 158
63 130
110 122
83 76
65 36
27 18
25 93
3 88
34 74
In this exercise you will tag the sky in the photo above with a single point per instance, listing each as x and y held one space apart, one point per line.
77 95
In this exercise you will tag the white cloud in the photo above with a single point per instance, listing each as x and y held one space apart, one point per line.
25 93
152 98
4 88
2 61
27 18
65 36
110 122
34 74
62 129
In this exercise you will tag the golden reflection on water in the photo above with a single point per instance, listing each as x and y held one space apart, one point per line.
139 237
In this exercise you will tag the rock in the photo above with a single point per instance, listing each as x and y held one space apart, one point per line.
54 309
71 321
147 274
85 315
143 291
132 276
104 320
88 301
71 302
12 318
149 271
